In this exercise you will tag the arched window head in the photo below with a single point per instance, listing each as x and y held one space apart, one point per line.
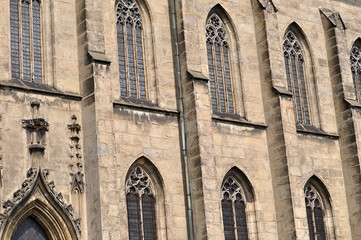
296 78
315 213
219 66
26 31
30 229
130 50
140 206
234 210
355 59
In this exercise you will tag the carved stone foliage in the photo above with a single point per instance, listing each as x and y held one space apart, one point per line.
268 5
128 13
231 190
139 183
77 183
36 129
36 178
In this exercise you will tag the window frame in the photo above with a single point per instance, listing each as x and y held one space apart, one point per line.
140 193
140 20
20 49
226 42
356 69
301 55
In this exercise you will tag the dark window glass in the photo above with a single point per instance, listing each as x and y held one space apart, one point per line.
141 206
148 211
30 229
14 23
134 221
295 74
241 220
37 42
130 51
228 219
26 56
315 217
219 66
234 211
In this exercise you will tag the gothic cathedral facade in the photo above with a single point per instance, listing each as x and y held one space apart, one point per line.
180 119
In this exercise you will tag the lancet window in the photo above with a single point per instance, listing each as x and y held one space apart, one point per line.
26 49
296 78
355 59
140 206
130 50
219 66
315 214
234 210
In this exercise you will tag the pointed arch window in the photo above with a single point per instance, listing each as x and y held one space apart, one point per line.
130 50
30 229
355 59
26 49
234 210
140 206
296 77
315 214
219 66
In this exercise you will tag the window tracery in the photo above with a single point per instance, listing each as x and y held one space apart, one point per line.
219 66
140 206
315 215
296 79
234 210
355 59
26 49
130 50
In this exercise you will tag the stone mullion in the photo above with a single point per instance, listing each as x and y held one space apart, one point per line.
281 131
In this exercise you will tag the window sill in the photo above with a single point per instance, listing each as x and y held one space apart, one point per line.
310 130
235 119
142 105
39 88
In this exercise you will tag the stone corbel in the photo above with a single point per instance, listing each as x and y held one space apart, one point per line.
334 17
269 6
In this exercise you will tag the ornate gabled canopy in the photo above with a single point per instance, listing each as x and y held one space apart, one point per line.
39 199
